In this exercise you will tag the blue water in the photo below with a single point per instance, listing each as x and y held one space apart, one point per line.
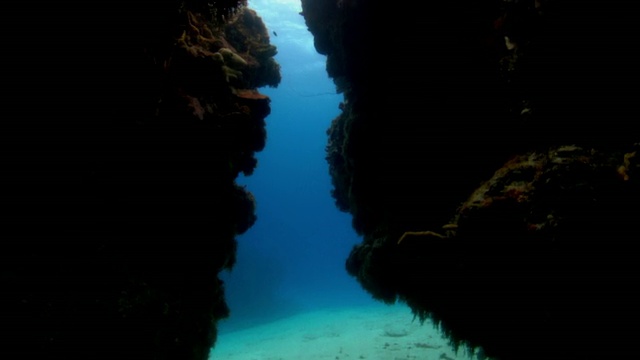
292 259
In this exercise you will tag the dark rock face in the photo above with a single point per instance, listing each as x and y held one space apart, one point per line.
127 124
486 153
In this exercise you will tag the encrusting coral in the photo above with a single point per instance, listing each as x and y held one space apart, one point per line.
528 249
125 205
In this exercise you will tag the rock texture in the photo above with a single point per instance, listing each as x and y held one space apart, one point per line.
127 125
486 152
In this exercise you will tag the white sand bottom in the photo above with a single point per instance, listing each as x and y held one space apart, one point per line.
377 332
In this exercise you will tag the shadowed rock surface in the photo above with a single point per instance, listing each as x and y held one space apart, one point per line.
485 149
127 125
486 152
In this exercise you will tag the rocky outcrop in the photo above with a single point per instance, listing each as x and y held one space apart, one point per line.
484 151
129 124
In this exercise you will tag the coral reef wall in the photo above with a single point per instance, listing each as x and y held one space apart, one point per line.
127 125
486 151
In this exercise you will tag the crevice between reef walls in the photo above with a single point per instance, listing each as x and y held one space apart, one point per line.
128 123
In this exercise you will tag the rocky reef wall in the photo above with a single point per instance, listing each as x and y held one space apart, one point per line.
486 152
128 123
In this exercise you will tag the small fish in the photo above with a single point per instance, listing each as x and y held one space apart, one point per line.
275 33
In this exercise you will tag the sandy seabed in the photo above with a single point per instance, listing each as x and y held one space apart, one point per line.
378 332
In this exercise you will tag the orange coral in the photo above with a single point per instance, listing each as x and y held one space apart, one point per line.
194 105
250 94
623 170
421 233
198 28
